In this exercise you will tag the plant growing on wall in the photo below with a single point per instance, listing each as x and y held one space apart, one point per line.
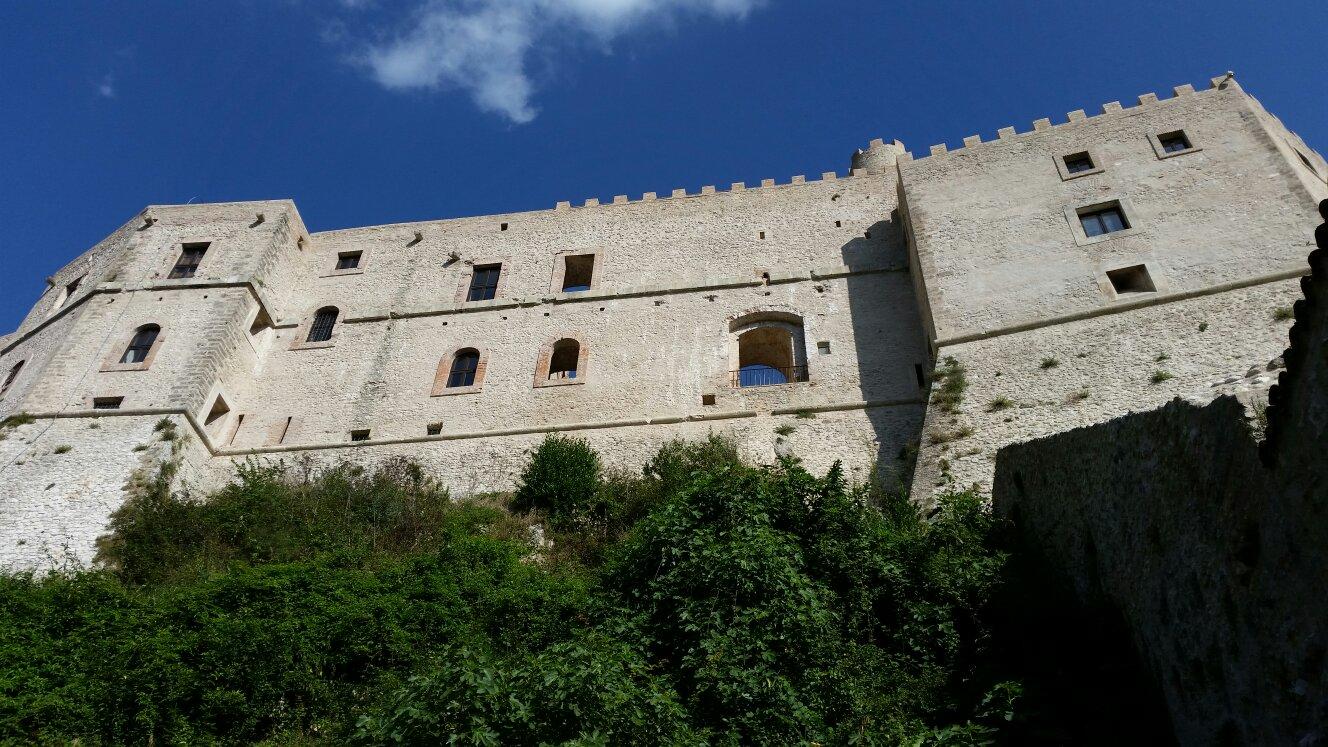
951 382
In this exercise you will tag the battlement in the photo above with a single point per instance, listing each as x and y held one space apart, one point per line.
1109 109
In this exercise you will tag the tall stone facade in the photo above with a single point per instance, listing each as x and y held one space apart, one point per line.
819 305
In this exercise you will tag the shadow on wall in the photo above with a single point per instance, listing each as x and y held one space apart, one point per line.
890 344
1210 549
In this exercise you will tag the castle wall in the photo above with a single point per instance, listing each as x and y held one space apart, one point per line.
1209 546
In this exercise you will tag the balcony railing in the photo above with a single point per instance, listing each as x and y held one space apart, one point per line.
759 375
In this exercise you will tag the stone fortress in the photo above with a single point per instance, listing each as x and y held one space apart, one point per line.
1074 272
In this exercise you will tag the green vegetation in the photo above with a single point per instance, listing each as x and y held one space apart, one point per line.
1160 376
1203 326
700 601
1000 403
954 434
1283 313
14 421
1078 396
953 383
1049 362
62 449
1161 357
785 430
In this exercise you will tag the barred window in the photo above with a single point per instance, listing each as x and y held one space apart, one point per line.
484 282
141 344
324 321
1174 142
190 258
9 380
464 365
348 260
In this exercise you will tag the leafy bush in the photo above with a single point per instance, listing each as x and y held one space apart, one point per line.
708 602
562 481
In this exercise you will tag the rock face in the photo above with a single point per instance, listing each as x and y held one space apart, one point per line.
812 309
1211 545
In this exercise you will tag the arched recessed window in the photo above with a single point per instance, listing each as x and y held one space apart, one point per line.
324 321
464 365
769 350
141 344
9 380
563 362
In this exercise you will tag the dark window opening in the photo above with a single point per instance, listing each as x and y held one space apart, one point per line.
578 272
1174 142
839 224
72 288
502 227
1079 163
707 400
433 429
9 380
761 234
1303 159
920 375
360 435
348 260
464 365
190 258
563 362
261 323
823 347
324 321
216 415
107 403
484 282
1134 279
1103 221
141 344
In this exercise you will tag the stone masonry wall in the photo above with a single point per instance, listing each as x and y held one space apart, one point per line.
1209 545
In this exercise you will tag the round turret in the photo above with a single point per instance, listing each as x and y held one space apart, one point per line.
878 158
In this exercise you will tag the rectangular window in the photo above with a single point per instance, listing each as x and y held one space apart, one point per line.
360 435
484 282
823 347
107 403
1106 220
348 260
578 272
1134 279
190 257
1079 163
433 429
1174 142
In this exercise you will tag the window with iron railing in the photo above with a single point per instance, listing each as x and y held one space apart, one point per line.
190 258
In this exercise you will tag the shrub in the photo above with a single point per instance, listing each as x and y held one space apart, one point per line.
1283 313
1049 362
785 429
63 449
1000 403
953 383
562 481
1160 376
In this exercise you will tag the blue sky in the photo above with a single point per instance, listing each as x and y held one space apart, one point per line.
373 111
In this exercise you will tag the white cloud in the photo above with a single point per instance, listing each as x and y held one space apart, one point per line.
106 88
483 46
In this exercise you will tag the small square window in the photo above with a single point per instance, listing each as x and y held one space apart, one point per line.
1133 279
707 400
823 347
1079 163
107 403
578 272
360 435
484 282
1174 142
191 256
348 260
433 429
1103 221
502 227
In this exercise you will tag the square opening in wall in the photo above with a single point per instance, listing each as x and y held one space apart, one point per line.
1133 279
823 347
1078 163
107 403
578 272
348 260
502 226
707 399
1103 220
216 416
433 429
360 435
1174 142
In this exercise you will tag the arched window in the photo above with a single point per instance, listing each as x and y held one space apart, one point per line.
141 344
563 362
464 365
9 380
324 321
770 350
